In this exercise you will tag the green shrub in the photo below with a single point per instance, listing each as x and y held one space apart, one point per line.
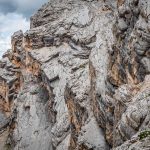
144 134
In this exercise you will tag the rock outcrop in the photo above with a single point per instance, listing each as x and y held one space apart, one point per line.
79 78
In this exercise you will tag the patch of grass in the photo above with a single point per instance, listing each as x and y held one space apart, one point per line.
144 134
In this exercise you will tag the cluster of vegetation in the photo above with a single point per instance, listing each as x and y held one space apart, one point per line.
144 134
83 65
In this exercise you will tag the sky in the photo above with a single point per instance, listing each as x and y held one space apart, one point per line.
14 15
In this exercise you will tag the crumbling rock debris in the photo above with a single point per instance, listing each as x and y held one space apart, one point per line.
78 79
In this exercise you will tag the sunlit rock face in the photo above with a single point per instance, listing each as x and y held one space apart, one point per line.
79 78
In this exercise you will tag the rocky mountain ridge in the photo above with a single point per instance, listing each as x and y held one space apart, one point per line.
79 78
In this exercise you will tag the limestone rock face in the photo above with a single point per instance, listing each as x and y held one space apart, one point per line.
79 78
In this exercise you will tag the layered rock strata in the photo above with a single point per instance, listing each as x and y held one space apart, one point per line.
79 78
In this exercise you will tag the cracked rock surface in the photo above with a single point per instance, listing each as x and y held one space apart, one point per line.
78 79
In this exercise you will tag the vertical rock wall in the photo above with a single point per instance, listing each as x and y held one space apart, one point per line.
78 79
